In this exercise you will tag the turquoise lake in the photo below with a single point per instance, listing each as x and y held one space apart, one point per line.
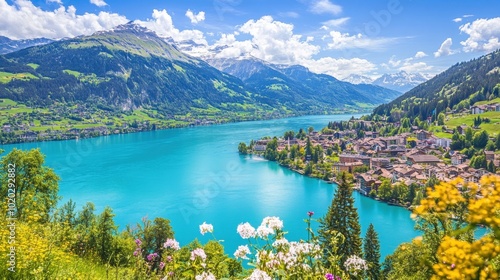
195 175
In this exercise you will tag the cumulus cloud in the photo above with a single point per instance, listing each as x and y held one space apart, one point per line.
163 25
483 34
340 68
55 1
445 48
98 3
276 41
417 67
324 7
195 18
23 20
357 41
420 54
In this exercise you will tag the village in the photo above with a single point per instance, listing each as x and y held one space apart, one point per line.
408 158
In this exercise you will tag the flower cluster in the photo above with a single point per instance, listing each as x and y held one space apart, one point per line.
330 276
486 209
442 199
171 243
205 276
258 274
242 252
204 228
246 231
355 265
463 260
198 253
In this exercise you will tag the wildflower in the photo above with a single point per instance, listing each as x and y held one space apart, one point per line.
280 242
258 274
204 228
272 222
172 243
138 242
205 276
137 252
329 276
264 231
169 259
162 265
198 252
152 256
355 264
246 230
242 252
310 213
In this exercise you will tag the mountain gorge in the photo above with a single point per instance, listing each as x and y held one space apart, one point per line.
455 89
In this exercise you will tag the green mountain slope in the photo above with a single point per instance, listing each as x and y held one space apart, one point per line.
455 89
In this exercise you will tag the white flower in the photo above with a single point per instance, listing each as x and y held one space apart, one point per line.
242 252
246 230
205 276
263 231
198 252
272 222
204 228
280 242
355 264
171 243
258 274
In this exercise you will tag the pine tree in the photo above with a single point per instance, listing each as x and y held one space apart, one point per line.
372 253
341 217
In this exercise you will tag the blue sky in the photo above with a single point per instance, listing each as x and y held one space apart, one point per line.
336 37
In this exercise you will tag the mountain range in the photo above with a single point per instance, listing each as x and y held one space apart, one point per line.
131 67
400 81
8 45
455 89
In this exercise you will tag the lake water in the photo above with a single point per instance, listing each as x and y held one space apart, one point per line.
195 175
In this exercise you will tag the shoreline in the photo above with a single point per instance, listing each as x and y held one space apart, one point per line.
208 123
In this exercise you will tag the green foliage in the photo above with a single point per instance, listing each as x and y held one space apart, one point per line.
371 249
242 148
342 217
36 185
480 139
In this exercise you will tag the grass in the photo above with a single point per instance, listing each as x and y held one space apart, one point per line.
33 65
89 78
493 127
6 77
4 102
486 102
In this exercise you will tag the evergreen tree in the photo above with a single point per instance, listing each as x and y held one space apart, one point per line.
372 253
341 217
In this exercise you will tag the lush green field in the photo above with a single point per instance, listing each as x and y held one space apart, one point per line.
6 77
493 127
493 101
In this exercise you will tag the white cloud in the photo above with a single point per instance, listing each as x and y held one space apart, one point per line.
335 22
340 68
358 41
483 34
276 41
163 25
457 19
98 3
445 48
324 7
420 54
289 14
55 1
417 67
195 18
23 20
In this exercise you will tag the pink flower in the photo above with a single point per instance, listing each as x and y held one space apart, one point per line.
162 265
198 252
310 213
171 243
138 242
